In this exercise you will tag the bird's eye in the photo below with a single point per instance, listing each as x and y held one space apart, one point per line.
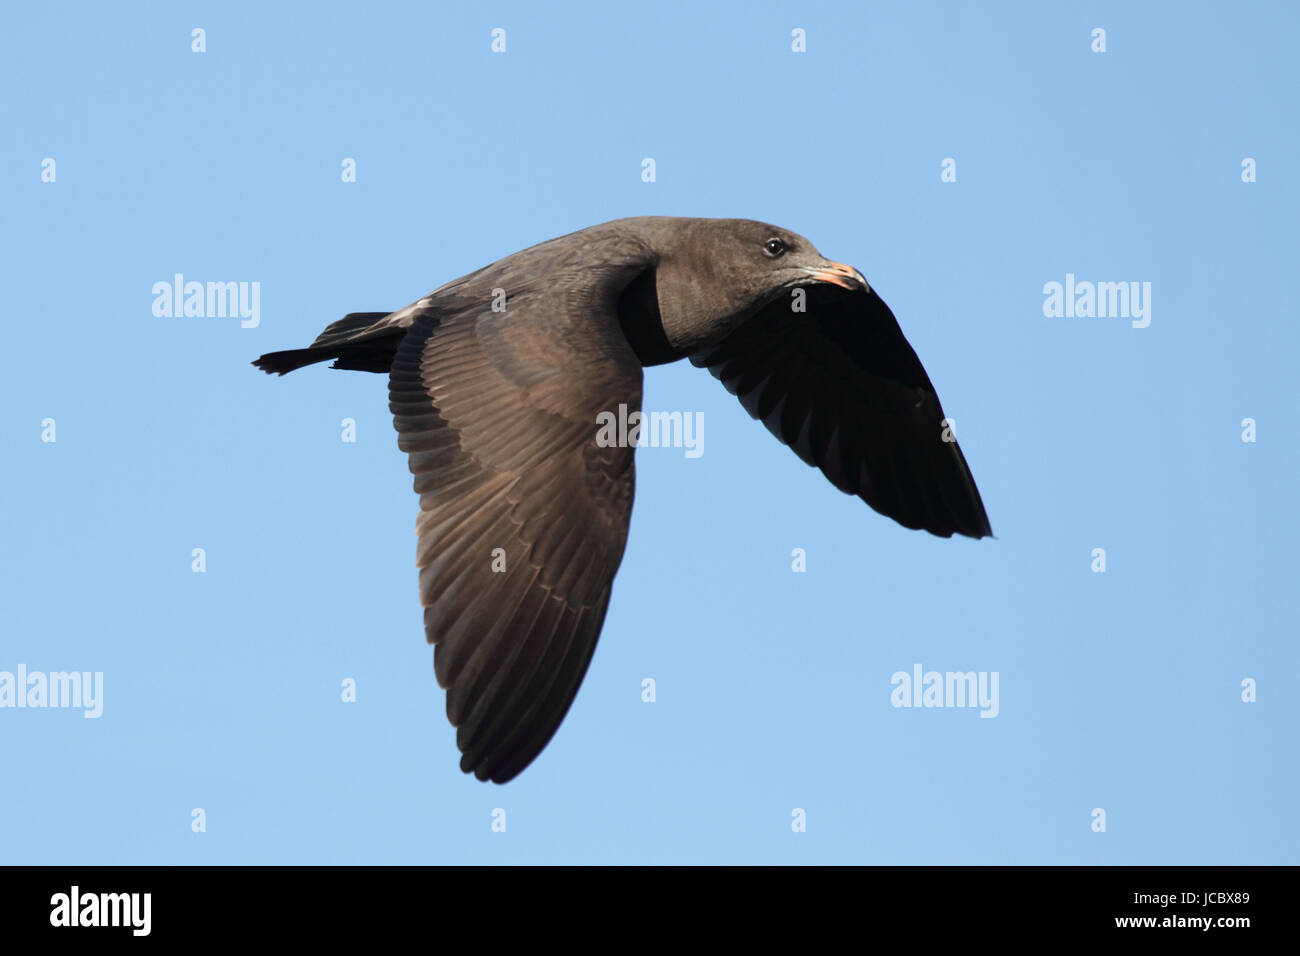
773 247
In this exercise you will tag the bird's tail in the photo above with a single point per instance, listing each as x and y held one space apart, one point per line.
347 342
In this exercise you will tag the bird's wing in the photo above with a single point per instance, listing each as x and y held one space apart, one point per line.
842 387
523 516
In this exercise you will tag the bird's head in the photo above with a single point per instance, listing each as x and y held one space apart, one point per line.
712 274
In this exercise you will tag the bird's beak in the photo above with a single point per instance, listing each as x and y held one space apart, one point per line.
837 273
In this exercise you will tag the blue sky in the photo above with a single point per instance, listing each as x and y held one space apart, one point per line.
1119 690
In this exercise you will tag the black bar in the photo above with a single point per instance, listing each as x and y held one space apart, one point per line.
334 904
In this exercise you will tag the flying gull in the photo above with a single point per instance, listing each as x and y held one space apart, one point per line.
498 409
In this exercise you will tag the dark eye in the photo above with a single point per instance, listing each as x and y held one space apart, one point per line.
773 247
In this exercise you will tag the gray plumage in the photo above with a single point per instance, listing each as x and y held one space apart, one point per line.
497 412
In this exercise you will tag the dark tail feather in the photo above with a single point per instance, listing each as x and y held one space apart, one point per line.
278 363
340 341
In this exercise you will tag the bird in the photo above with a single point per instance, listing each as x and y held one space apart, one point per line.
496 382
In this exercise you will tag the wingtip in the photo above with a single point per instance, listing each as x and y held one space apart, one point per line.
980 533
483 772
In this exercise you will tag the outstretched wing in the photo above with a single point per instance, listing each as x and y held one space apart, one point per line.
523 516
842 387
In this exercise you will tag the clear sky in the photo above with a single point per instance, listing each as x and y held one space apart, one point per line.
1120 691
